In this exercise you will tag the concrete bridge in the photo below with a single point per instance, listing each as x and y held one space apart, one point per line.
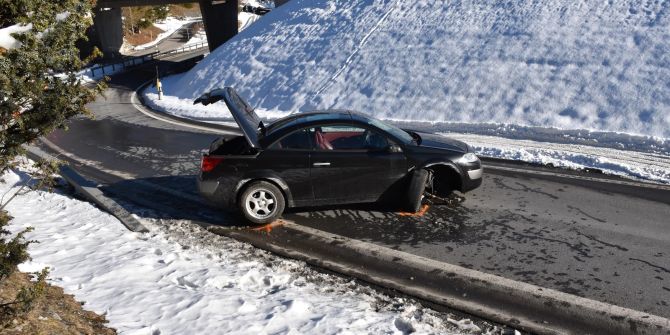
219 18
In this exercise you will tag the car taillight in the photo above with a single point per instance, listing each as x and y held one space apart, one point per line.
209 163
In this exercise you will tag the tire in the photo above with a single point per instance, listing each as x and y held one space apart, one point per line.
417 184
261 202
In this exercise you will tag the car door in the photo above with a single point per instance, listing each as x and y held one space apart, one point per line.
351 164
289 159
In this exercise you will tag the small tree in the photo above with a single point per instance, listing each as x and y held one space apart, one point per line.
39 92
39 86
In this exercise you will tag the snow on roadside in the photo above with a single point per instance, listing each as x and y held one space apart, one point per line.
625 163
270 4
169 26
247 19
179 279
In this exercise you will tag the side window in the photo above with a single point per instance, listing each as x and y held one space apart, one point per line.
299 139
344 137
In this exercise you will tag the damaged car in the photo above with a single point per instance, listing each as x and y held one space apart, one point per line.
328 157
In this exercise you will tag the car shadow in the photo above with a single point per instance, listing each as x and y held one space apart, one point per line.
176 198
437 223
169 198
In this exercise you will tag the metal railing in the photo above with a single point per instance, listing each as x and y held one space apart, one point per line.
182 50
130 62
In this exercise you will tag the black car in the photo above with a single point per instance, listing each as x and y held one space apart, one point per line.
327 158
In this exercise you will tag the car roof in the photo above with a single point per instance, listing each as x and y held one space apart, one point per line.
330 115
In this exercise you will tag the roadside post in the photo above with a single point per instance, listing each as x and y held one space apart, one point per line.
159 86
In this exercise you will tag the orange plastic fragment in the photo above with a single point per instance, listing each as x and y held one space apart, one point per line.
421 212
268 227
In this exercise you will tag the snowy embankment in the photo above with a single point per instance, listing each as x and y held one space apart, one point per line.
180 279
602 68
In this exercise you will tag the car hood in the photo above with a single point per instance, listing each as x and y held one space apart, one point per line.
429 140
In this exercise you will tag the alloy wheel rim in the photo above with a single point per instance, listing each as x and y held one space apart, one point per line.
261 203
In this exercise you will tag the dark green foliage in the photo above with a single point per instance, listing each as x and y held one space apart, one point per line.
143 17
33 100
13 251
39 92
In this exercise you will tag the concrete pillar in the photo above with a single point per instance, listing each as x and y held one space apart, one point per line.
108 25
220 19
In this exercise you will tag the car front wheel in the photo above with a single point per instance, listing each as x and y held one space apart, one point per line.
417 185
261 202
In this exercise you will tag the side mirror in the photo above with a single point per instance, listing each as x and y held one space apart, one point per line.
394 148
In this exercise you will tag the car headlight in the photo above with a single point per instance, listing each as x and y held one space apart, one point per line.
469 158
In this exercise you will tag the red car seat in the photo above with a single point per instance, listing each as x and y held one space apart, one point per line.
321 141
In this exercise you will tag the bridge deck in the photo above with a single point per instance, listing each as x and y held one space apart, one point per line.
134 3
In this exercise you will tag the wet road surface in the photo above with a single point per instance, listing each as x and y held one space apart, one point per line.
595 239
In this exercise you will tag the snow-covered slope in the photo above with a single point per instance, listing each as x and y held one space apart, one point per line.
601 65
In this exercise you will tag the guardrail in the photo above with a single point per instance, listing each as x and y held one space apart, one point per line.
185 49
120 66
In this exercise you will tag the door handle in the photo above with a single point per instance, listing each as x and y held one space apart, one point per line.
322 164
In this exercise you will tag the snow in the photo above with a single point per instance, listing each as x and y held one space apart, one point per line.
199 37
246 19
6 39
571 65
625 163
270 4
180 279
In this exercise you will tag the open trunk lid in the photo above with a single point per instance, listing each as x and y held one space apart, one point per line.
250 124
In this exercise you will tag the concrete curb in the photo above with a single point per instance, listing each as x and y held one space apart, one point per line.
91 192
138 101
520 305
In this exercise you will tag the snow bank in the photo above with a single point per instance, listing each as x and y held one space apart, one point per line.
270 4
572 65
625 163
180 279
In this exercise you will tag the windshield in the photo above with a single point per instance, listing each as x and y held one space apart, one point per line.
395 131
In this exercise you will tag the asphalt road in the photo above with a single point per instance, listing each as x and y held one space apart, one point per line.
175 41
573 232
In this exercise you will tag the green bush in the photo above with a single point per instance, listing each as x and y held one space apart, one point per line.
13 251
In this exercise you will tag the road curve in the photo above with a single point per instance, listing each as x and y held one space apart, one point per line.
576 233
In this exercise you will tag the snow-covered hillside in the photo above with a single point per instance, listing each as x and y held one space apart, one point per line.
601 65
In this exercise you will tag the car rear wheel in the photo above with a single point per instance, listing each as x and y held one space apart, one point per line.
261 202
417 185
